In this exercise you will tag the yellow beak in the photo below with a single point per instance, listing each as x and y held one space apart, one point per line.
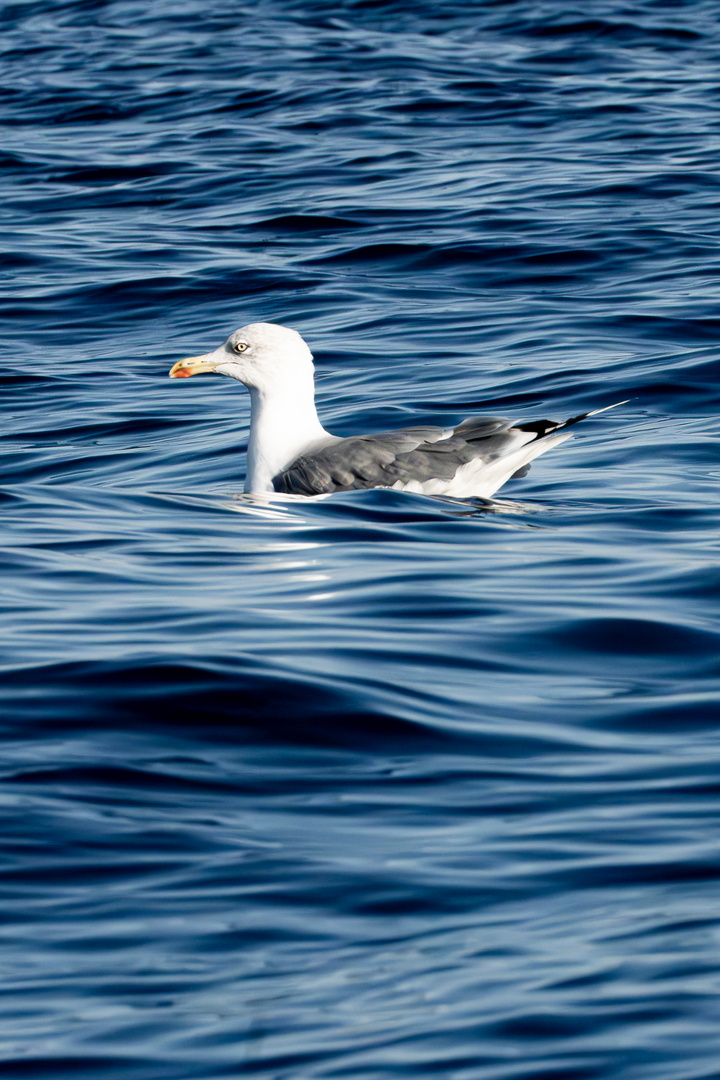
192 365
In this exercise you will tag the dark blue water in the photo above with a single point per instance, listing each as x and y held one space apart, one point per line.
379 785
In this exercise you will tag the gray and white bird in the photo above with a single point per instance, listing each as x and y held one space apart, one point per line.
289 450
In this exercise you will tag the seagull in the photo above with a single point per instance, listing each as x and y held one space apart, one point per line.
290 452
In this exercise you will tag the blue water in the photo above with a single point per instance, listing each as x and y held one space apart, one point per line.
381 785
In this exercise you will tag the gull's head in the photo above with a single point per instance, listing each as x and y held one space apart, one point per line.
261 356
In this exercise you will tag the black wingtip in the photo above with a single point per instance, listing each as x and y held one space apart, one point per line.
550 427
592 412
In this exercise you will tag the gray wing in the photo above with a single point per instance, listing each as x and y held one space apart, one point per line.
417 453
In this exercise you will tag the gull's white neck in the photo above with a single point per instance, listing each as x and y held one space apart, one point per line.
283 424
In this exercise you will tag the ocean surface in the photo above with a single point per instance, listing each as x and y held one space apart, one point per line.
378 785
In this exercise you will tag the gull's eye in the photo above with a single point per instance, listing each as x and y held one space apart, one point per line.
240 346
